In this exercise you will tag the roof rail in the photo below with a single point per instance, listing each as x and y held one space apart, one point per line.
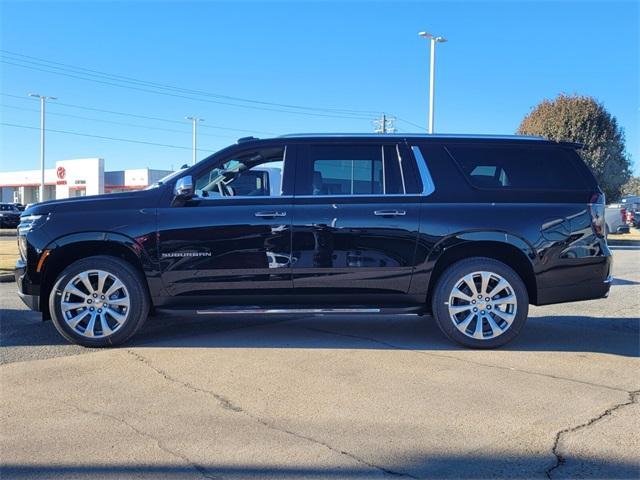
414 135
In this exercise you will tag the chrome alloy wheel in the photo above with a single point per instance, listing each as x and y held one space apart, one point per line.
95 304
482 305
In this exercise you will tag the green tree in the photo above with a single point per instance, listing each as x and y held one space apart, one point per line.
632 187
584 120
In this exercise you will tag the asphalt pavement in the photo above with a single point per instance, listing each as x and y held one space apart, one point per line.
327 397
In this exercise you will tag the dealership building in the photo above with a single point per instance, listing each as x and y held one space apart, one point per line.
74 178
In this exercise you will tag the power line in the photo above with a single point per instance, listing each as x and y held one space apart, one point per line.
83 70
115 123
134 115
176 95
421 127
129 140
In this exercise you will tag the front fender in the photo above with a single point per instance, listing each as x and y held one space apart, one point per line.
136 246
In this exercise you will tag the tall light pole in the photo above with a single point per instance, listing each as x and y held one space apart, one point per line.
432 71
43 100
194 126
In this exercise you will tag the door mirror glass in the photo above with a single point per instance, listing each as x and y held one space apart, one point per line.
183 189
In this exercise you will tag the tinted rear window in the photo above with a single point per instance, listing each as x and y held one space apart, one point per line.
519 167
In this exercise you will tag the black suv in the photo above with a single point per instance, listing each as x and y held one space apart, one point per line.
9 215
470 229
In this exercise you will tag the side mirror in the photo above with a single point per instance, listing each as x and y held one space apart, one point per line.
183 190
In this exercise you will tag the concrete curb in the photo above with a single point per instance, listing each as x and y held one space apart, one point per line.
7 277
8 232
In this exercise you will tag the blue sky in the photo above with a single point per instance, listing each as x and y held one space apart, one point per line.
501 59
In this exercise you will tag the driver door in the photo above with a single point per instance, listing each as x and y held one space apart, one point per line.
234 237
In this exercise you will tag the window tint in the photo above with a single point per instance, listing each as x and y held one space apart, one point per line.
251 174
526 167
354 170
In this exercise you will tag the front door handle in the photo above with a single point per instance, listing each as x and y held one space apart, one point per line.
389 213
270 214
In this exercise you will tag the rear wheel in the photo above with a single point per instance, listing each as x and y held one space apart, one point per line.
480 303
98 302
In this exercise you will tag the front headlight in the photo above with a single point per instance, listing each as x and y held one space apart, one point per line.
27 224
31 222
31 218
22 247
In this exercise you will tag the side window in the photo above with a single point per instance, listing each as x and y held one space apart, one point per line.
517 167
489 176
250 174
352 170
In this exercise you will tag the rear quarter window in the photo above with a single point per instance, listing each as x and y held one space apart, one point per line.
520 167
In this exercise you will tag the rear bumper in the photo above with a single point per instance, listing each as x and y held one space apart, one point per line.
589 291
580 282
28 293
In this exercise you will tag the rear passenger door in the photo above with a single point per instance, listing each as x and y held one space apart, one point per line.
356 215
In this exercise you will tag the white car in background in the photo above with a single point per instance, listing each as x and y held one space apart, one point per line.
615 219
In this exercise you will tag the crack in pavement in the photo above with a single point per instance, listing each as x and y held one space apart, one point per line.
199 468
560 459
228 405
464 360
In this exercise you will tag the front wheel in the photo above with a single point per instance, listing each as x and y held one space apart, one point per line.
99 301
480 303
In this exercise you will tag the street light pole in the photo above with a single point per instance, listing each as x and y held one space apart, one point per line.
432 73
194 127
43 100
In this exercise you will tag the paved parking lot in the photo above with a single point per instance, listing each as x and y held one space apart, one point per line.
328 397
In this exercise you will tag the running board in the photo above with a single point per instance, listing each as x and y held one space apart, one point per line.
296 311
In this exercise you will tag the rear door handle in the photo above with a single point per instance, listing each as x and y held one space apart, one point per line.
389 213
270 214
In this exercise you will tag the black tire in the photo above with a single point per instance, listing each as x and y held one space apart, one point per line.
138 297
451 278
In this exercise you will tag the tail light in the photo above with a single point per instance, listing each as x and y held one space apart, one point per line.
596 208
623 214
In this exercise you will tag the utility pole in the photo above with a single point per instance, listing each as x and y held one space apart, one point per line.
194 127
432 73
43 100
385 124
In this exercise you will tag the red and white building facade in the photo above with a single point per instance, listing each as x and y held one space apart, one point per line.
73 178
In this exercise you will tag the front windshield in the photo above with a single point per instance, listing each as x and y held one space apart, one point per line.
253 173
166 178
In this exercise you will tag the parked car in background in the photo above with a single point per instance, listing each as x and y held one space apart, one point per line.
471 229
631 204
9 215
615 217
20 206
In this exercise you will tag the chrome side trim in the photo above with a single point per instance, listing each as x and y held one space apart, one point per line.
285 310
428 187
241 197
360 195
404 187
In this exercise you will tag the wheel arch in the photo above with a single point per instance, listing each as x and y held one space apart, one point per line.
514 252
66 250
